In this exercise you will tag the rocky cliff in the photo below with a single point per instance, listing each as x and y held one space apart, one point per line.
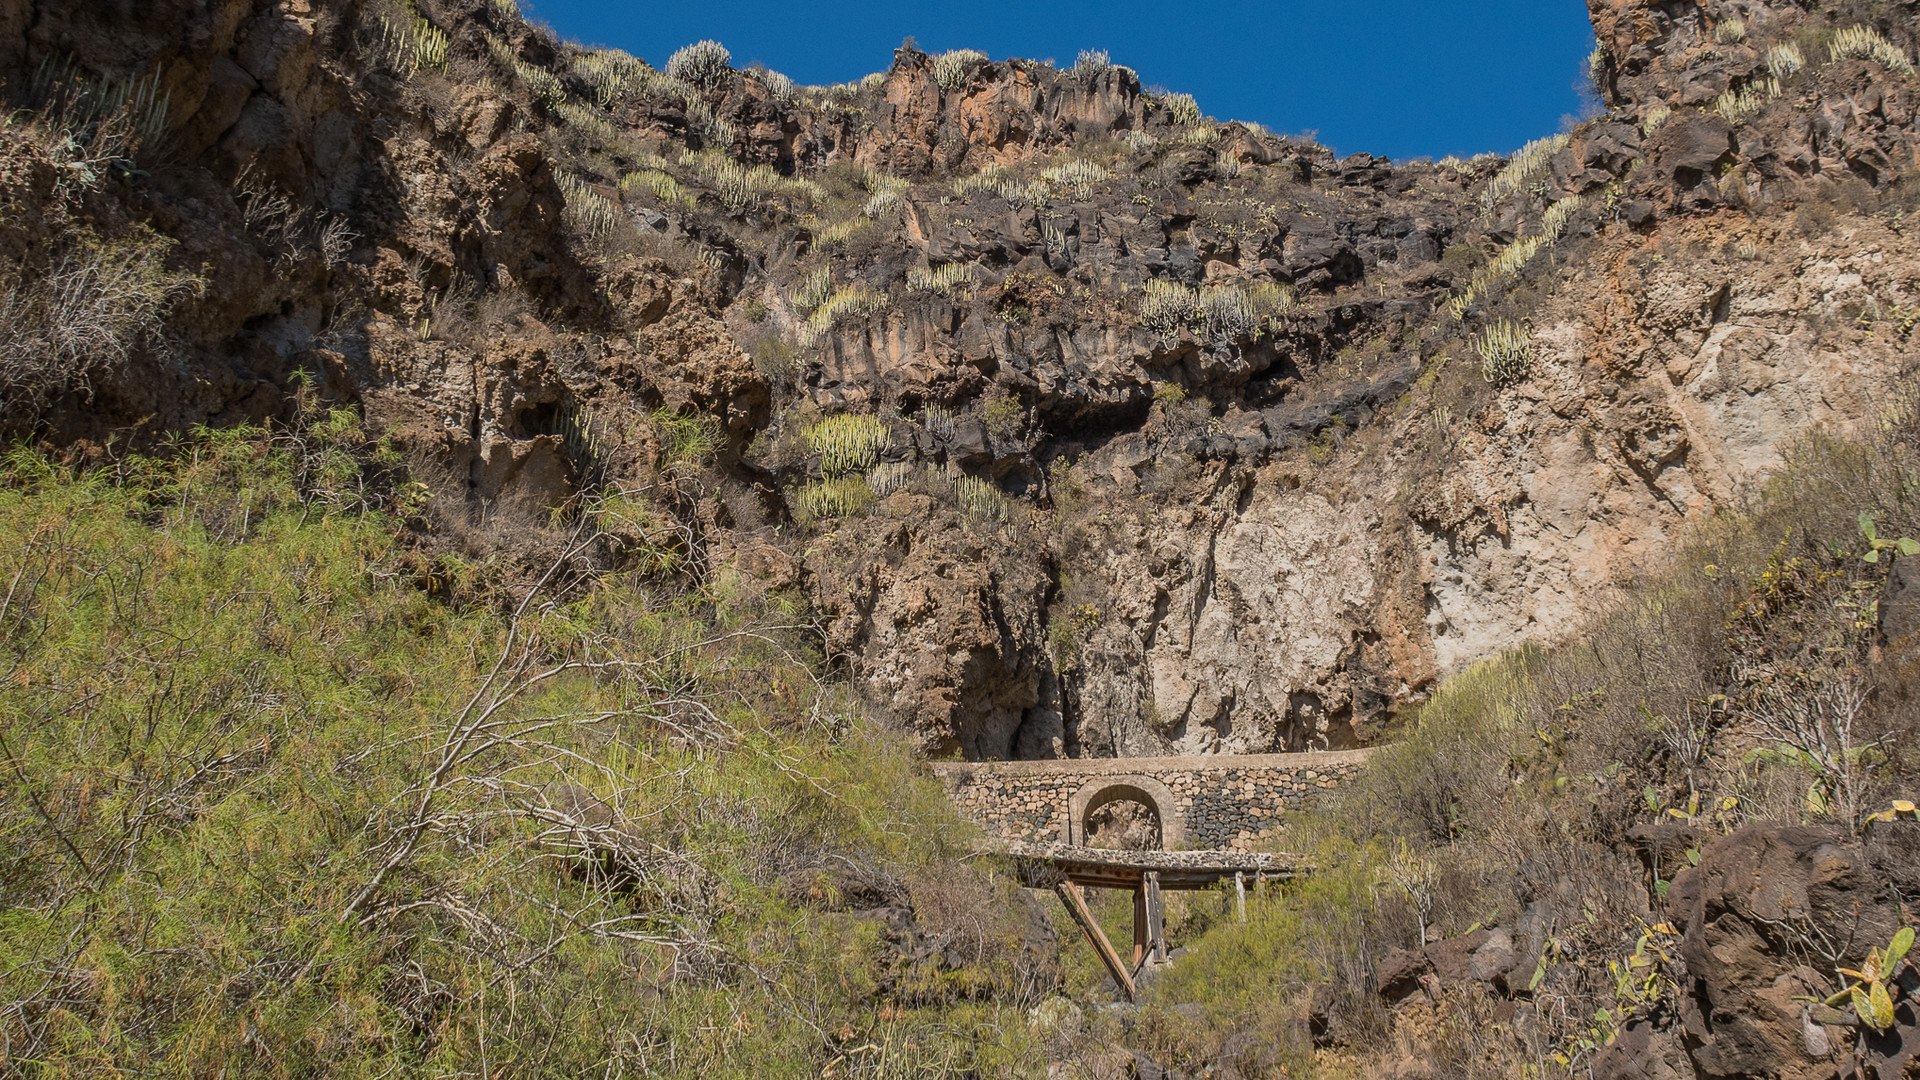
1088 425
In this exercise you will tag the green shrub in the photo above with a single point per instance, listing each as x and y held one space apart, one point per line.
950 69
996 178
1255 976
940 423
1529 162
835 497
1200 134
713 130
1003 415
1785 60
1166 307
590 213
546 88
890 476
1076 177
706 65
1090 65
553 831
940 279
614 75
1864 41
410 42
848 442
1553 224
741 188
1216 311
980 498
1514 258
587 121
886 194
94 122
664 187
1506 352
856 301
813 289
1737 107
1181 109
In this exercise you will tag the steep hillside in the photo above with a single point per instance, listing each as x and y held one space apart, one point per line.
1050 415
1223 400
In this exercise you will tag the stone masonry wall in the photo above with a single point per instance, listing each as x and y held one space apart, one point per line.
1224 802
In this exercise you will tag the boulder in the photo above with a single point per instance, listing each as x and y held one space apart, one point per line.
1761 898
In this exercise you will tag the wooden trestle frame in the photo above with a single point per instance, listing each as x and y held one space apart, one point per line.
1149 914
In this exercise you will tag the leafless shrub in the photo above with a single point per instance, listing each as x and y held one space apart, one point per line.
334 239
1822 723
83 318
97 124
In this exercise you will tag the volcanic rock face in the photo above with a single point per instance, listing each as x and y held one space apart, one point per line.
1194 455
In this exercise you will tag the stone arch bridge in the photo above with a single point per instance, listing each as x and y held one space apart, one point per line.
1223 802
1212 813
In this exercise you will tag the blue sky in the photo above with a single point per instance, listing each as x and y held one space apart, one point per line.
1393 77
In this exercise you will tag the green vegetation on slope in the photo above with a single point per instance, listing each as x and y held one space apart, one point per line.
284 796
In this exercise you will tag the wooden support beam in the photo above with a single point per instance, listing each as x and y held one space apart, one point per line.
1077 908
1140 938
1156 918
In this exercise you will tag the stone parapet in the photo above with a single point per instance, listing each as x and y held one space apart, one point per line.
1215 803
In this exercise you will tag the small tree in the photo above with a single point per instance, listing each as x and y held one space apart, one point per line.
1414 874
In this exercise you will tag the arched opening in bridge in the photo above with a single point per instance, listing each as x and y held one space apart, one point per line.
1124 823
1132 813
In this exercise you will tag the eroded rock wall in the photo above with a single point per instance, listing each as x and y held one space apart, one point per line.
1092 529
